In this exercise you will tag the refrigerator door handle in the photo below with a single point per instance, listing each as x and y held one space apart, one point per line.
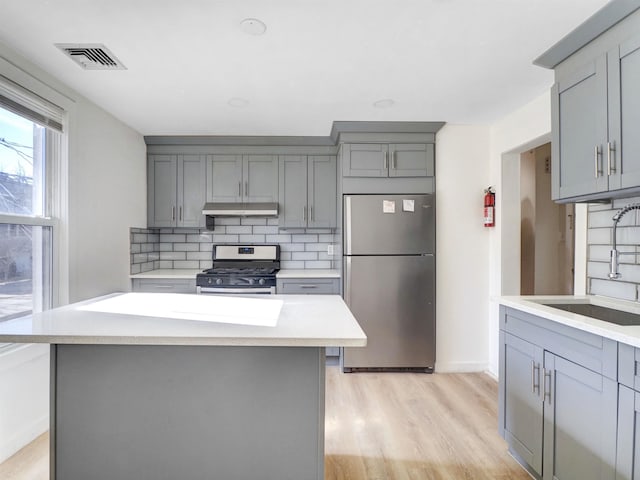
347 280
347 225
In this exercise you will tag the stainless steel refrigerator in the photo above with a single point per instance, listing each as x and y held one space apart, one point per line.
389 280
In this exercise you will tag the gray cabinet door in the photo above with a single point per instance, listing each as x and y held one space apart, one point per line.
224 178
623 149
293 191
521 366
260 178
322 193
191 190
365 160
628 451
579 422
411 160
579 127
161 190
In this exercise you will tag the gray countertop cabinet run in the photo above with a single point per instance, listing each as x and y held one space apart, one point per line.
558 397
176 190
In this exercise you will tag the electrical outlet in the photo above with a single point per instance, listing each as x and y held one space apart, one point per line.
329 249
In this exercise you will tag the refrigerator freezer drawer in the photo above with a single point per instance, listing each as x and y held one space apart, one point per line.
393 299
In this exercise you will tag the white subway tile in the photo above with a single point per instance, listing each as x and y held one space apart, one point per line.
316 247
285 255
304 256
237 229
186 264
292 247
186 247
613 288
253 221
304 238
598 270
172 238
165 264
599 236
251 238
227 221
225 238
628 236
290 265
135 268
199 255
265 229
317 264
135 248
173 255
279 238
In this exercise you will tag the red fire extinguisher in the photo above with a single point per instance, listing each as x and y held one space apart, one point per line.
489 207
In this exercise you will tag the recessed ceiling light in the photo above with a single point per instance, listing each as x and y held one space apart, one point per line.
238 102
385 103
253 26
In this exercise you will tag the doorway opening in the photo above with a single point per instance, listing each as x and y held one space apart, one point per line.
547 240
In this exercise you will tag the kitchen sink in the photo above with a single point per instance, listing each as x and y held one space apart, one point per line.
610 315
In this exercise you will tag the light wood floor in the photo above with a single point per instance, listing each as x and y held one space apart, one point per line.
385 426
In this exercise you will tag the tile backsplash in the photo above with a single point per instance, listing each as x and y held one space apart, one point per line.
599 245
173 248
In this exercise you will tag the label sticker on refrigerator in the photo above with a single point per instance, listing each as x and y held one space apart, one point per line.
408 205
388 206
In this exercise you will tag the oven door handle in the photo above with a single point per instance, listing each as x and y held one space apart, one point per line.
235 290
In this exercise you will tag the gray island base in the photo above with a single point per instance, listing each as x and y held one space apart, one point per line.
136 397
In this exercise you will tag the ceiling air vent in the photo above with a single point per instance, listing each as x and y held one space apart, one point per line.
93 56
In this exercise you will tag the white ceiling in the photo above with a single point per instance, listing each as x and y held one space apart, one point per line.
459 61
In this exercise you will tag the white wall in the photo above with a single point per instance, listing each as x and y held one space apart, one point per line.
522 130
105 196
462 243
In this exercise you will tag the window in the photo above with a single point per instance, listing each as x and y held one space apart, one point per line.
29 150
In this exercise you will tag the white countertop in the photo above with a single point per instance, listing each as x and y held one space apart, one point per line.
304 321
189 273
308 273
621 333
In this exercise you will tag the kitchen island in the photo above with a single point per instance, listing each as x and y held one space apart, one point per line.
227 396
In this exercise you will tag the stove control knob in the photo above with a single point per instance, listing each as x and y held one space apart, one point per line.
218 281
261 281
251 281
209 281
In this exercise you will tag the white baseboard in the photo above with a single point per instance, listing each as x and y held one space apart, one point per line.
17 440
461 367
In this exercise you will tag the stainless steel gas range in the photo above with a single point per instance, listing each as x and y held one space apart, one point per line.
241 269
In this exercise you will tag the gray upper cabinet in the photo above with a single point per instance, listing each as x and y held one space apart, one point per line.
595 120
388 160
242 178
579 126
624 114
307 191
176 190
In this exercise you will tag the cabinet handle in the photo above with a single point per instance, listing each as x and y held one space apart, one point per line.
395 160
309 286
246 188
173 214
311 208
240 189
546 393
180 215
596 154
611 147
535 379
386 160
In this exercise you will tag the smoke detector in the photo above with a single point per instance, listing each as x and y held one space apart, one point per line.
91 56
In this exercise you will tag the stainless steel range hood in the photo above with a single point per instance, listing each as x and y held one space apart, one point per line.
216 209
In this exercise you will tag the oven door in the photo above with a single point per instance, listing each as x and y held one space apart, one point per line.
236 290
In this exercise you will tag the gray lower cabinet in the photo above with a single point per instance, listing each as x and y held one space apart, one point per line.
558 403
307 193
164 285
388 160
595 117
311 286
628 452
176 190
242 178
